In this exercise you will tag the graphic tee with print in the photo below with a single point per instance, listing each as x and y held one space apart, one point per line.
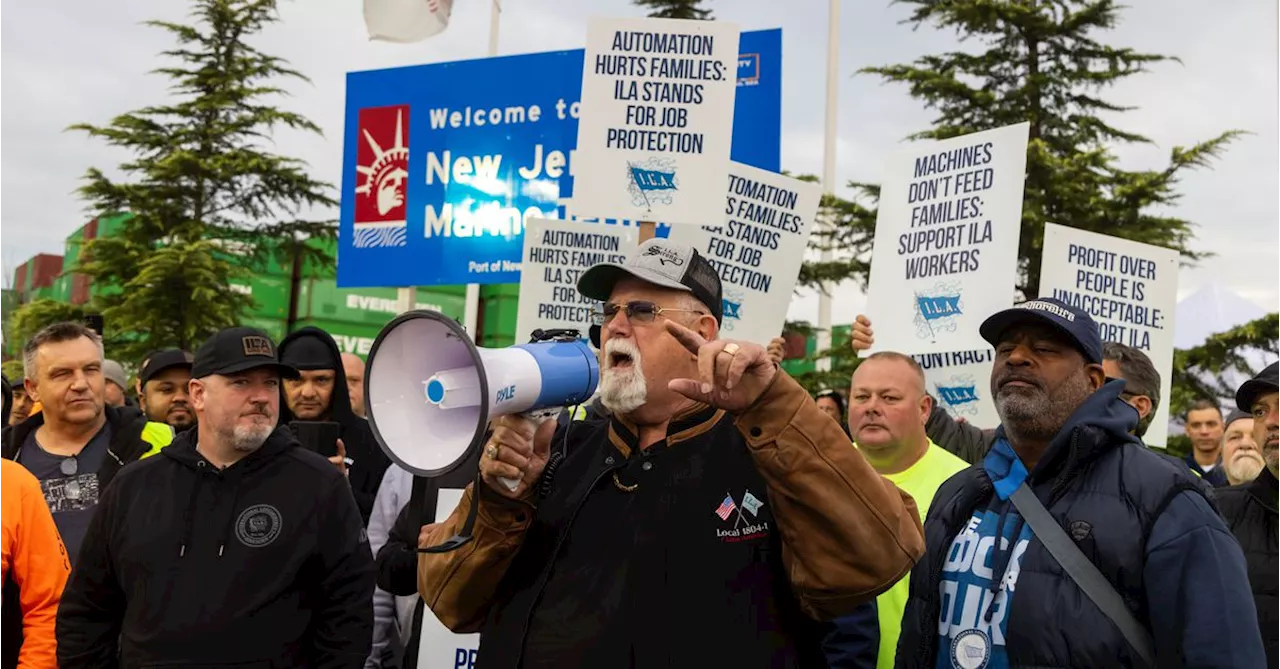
974 615
72 498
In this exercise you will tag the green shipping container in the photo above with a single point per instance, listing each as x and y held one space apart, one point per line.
62 288
240 254
498 319
460 291
9 302
311 269
270 293
354 338
499 290
840 335
71 250
322 299
112 225
274 327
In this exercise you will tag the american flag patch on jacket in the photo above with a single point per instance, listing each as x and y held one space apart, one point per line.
726 507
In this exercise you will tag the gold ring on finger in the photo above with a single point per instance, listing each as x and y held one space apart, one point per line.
731 348
492 451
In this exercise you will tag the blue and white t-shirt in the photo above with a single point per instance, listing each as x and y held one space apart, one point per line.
973 618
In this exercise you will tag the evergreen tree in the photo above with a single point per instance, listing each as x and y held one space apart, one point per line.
1039 61
32 317
201 184
675 9
13 371
1201 371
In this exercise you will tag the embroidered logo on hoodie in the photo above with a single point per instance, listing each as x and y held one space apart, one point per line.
258 525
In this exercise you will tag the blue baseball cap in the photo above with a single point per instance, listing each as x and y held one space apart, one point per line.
1077 325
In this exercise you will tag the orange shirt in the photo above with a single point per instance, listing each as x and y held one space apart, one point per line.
34 557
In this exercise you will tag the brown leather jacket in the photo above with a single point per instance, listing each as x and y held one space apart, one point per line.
848 534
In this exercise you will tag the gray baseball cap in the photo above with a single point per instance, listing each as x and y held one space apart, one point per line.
660 263
114 373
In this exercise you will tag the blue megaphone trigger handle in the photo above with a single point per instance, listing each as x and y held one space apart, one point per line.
468 526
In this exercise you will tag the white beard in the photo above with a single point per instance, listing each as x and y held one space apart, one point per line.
249 438
622 390
1243 468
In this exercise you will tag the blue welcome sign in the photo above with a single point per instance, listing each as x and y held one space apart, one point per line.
442 163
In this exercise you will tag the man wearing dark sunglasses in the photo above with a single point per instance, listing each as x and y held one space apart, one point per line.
707 522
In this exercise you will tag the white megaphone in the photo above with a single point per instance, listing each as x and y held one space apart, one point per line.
430 392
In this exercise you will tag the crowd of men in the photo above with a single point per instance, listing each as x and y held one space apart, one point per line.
703 510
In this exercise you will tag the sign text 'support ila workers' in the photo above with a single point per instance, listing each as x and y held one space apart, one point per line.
946 243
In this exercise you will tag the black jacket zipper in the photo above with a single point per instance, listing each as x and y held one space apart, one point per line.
546 571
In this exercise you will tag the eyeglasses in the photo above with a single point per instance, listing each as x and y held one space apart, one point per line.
638 311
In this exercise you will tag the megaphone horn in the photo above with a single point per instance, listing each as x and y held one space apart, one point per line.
430 392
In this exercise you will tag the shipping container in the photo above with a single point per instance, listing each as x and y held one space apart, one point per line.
42 270
312 269
41 293
323 299
241 254
71 250
354 338
802 364
274 327
62 288
797 362
80 288
498 318
270 295
499 341
20 278
110 225
795 346
499 290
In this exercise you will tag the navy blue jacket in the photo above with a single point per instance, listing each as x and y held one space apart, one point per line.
853 641
1147 525
1216 477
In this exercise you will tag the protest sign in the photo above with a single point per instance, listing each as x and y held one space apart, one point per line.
946 244
439 648
657 118
439 172
556 253
1129 288
757 249
960 382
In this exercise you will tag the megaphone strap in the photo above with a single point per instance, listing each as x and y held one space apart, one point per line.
467 533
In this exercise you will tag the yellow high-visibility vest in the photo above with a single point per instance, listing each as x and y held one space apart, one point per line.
158 435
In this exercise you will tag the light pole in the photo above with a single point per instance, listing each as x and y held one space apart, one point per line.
829 171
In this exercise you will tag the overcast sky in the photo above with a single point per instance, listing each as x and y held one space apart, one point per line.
97 68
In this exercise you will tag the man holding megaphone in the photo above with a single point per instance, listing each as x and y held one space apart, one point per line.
711 519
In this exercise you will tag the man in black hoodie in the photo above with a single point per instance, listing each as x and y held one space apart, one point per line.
320 393
234 546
